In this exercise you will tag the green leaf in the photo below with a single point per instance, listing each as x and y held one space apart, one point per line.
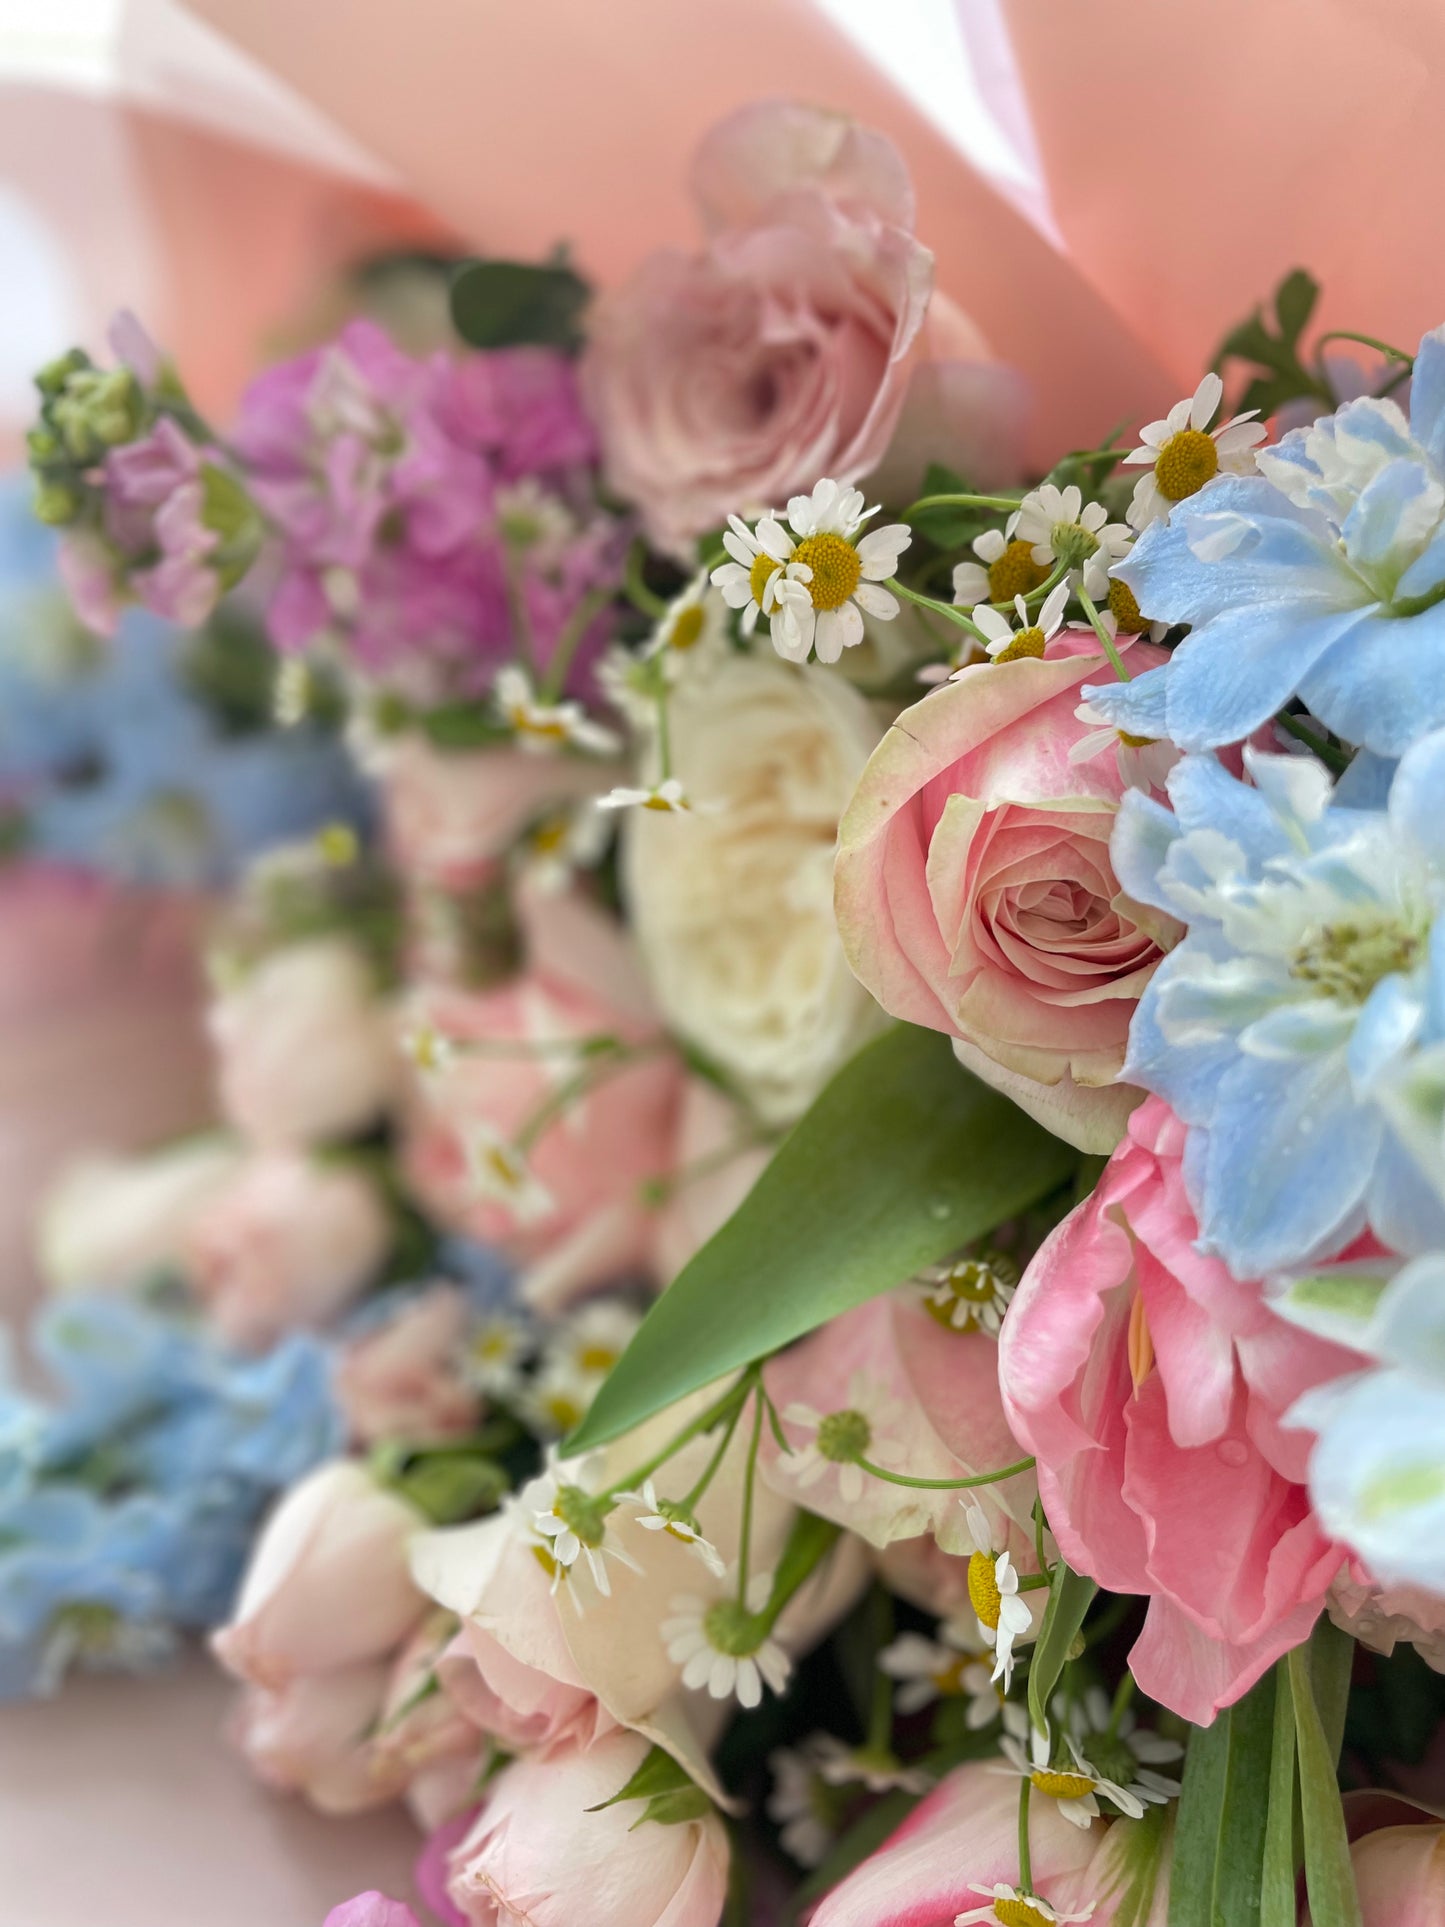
1070 1596
1223 1814
901 1160
1198 1827
950 527
1278 1900
464 725
1329 1877
671 1795
1294 303
508 304
1332 1660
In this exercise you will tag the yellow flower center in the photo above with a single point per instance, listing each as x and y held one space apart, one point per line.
503 1167
1028 642
656 802
597 1358
1124 603
565 1413
1062 1786
527 722
549 836
983 1589
688 627
337 845
1014 573
1186 462
760 575
1020 1913
548 1564
1136 742
836 568
948 1683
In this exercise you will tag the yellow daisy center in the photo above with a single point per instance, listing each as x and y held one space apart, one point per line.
1186 462
565 1412
836 568
760 575
1020 1913
688 626
338 846
1014 573
983 1589
948 1683
549 836
1124 604
548 1564
528 722
1028 642
656 802
1136 742
597 1358
1062 1786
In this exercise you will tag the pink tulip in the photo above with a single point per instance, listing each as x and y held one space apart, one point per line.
371 1910
328 1585
537 1853
1400 1874
1150 1384
403 1380
286 1244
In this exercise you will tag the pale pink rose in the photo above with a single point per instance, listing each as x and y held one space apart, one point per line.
537 1853
975 894
404 1379
451 814
305 1048
1151 1384
1400 1875
931 1400
329 1584
287 1244
422 1739
371 1910
730 379
573 1213
312 1737
112 1223
716 1163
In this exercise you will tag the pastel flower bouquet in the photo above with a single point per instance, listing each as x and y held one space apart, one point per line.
819 1290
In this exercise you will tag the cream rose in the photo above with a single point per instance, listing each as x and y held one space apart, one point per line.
732 902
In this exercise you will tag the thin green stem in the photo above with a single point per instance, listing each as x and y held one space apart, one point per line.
517 611
944 1485
636 589
593 1073
1120 1707
1004 503
1026 1864
729 1405
578 623
730 1425
1034 1581
1106 641
1332 758
1367 341
1040 1523
745 1531
664 739
955 616
880 1709
1044 590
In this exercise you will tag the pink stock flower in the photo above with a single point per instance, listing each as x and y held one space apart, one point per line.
402 1379
1400 1875
371 1910
538 1852
329 1586
156 500
729 379
1150 1383
975 894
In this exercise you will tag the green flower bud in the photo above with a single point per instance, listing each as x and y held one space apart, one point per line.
52 378
55 503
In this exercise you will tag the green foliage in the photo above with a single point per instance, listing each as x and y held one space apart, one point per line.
1070 1596
901 1160
1220 1832
1274 352
671 1796
464 724
509 304
1329 1878
950 527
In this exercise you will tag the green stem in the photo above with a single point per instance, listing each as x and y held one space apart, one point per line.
1026 1865
596 1072
955 616
1367 341
1106 641
745 1532
664 740
578 623
1005 503
731 1402
517 611
1332 758
636 589
1039 1525
730 1425
1043 591
1122 1697
880 1710
945 1485
1035 1581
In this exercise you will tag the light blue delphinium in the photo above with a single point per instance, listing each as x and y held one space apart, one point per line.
1322 577
1312 969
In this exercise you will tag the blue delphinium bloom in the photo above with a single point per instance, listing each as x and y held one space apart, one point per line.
1322 577
1312 969
131 1504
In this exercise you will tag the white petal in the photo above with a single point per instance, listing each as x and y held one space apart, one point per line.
881 603
1207 397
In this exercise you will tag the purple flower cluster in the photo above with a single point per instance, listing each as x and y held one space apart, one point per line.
434 517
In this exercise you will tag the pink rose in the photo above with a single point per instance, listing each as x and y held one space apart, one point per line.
288 1243
403 1379
422 1740
568 1203
1150 1383
329 1586
311 1737
304 1046
730 379
975 894
1400 1875
717 1163
538 1853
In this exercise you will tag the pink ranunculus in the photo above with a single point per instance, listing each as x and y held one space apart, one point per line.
931 1401
573 1210
729 379
1151 1383
539 1853
1400 1876
371 1910
312 1737
287 1244
975 894
329 1585
403 1379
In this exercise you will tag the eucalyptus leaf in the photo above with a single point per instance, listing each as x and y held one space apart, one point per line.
1329 1877
1070 1596
509 304
902 1159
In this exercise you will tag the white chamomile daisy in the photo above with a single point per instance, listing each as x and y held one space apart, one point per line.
1143 762
721 1645
593 1337
573 1527
659 1515
808 1811
946 1667
879 1772
1119 1746
668 796
542 727
815 590
1073 1785
1005 568
428 1049
556 1401
1034 633
1182 452
840 1439
971 1294
1012 1907
534 519
691 632
497 1349
1004 1616
501 1173
1064 529
558 845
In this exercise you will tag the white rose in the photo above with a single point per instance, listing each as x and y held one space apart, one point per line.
733 902
306 1047
110 1223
